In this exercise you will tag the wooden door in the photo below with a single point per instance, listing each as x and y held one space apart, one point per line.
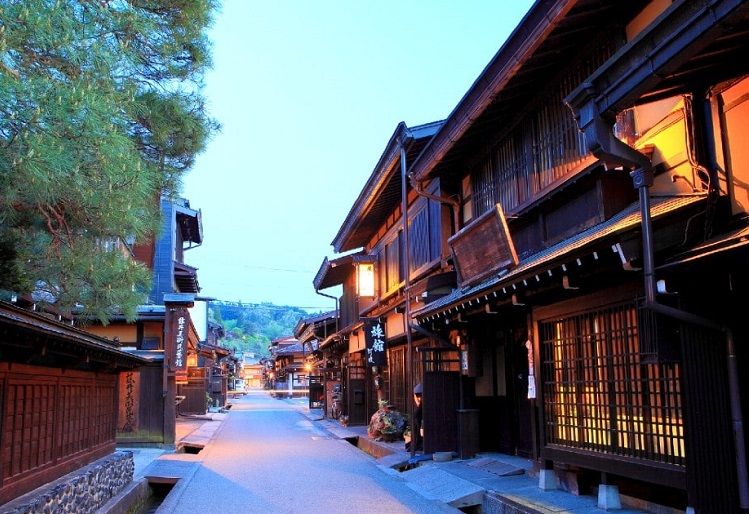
355 395
440 399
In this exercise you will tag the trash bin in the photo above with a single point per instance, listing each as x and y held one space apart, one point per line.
468 433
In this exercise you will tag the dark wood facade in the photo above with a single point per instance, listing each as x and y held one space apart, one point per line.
58 396
599 239
149 396
376 223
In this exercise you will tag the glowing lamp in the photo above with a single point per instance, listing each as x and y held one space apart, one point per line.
365 278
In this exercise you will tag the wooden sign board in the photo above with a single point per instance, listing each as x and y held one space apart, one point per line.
483 248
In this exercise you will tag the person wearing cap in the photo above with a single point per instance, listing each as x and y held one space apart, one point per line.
417 437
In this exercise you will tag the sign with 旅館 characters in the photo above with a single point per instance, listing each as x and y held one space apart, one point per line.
374 338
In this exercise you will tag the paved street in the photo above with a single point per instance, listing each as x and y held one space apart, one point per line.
268 457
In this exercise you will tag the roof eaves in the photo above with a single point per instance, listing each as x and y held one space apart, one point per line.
333 272
626 220
517 49
349 237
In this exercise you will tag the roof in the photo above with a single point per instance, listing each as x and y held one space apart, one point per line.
690 47
208 350
290 349
718 247
186 278
190 222
34 338
307 328
563 252
383 190
335 272
543 43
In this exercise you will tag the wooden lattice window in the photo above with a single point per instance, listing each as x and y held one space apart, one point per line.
601 393
28 426
397 369
541 149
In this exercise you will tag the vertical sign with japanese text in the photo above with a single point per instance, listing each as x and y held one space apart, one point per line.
374 337
127 418
178 336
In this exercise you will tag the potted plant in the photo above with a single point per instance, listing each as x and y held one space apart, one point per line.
387 423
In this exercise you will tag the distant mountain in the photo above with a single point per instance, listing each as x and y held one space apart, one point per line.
252 326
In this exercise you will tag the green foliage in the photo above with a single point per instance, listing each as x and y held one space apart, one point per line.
252 327
101 112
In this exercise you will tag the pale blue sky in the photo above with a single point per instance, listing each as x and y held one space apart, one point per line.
308 93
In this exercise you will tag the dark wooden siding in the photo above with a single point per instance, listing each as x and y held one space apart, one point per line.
52 422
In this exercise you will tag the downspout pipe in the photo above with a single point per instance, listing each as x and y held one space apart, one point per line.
416 186
336 306
405 139
602 143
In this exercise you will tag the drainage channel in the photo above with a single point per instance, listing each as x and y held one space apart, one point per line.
377 452
190 448
159 488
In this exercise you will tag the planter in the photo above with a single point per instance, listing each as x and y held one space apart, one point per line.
386 424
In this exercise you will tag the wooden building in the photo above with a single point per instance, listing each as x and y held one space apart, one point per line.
323 374
289 376
59 398
374 237
592 187
165 335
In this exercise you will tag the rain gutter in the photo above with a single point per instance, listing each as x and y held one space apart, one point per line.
336 307
600 139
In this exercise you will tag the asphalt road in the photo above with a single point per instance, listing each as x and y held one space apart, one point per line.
267 457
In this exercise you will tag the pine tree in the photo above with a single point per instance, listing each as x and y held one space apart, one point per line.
101 113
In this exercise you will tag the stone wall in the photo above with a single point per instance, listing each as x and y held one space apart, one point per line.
82 492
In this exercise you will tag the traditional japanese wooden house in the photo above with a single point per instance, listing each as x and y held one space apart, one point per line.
599 164
376 343
217 361
164 334
347 388
289 375
322 374
59 399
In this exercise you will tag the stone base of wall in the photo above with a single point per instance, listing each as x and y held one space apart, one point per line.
82 492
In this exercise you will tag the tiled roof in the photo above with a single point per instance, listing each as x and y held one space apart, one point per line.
624 221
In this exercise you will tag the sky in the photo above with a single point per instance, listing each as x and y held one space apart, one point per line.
308 94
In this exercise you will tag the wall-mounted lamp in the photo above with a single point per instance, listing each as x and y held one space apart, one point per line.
365 276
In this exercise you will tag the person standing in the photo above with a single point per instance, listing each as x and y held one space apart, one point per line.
417 437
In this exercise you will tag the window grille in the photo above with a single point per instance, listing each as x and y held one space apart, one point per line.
542 149
419 240
392 263
397 368
441 359
558 147
602 394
